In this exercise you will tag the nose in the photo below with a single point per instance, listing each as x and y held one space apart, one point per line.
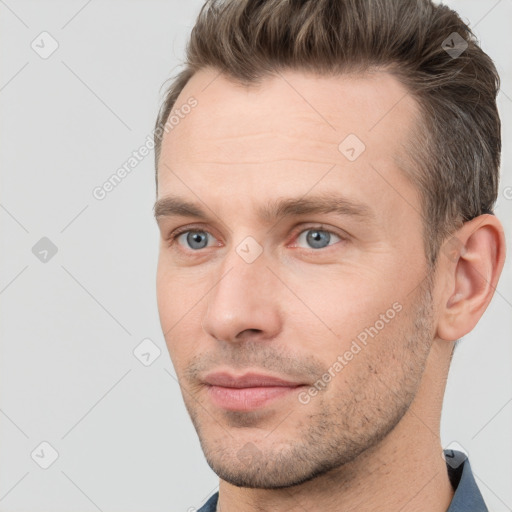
245 302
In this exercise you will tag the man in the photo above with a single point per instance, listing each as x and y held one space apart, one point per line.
326 176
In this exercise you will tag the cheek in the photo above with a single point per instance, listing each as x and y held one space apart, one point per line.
179 309
176 293
165 295
362 368
357 331
343 305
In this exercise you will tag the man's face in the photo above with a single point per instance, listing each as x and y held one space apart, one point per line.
332 302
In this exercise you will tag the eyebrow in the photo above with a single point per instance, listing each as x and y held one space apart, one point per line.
273 210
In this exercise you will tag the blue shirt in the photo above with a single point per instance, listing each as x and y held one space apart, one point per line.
467 497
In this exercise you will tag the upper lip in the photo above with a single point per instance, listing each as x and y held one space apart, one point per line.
248 380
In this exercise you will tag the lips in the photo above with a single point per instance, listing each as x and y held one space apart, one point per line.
247 392
249 380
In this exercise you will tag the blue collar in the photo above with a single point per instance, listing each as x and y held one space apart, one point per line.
467 497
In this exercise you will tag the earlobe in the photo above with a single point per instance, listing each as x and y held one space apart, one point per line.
474 258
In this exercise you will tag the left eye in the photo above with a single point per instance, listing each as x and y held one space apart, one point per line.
317 238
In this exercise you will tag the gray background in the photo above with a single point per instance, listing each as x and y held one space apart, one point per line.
69 325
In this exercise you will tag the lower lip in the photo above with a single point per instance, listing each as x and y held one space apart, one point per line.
247 399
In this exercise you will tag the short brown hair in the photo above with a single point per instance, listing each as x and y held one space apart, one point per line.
454 155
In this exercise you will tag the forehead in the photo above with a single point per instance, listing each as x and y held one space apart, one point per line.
286 133
295 104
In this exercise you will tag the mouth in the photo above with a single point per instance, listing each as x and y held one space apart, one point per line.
249 391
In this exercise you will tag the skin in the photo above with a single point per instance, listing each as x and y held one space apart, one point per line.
370 439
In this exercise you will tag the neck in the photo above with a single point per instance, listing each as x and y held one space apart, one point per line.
403 472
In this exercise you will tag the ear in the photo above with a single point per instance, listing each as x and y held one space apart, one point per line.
474 258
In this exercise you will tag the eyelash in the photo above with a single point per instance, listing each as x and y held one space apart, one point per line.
171 239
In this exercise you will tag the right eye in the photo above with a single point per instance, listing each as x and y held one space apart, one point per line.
193 238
